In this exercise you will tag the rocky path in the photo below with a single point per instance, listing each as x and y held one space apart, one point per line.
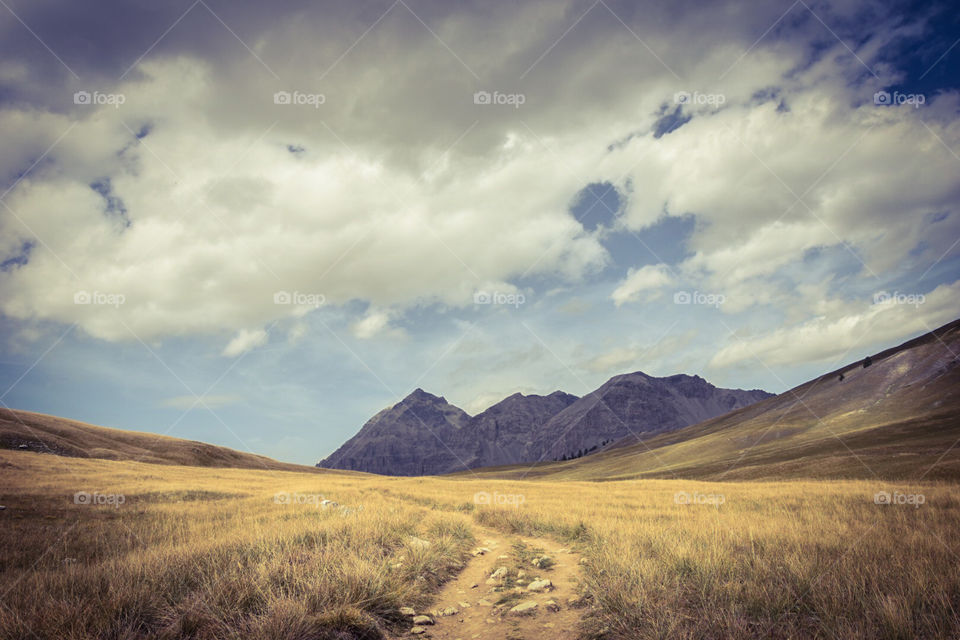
513 588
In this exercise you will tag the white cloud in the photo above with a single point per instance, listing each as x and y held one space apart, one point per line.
405 198
824 337
650 278
376 322
244 341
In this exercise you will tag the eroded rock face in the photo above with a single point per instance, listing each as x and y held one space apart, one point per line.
425 435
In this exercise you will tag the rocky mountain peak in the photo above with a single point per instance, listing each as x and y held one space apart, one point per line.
424 434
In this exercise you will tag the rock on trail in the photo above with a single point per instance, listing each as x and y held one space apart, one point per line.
491 599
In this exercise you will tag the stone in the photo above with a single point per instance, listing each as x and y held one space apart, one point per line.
484 603
499 573
542 561
418 630
474 585
584 561
550 605
524 608
450 611
503 557
407 611
463 605
521 574
540 585
418 543
422 620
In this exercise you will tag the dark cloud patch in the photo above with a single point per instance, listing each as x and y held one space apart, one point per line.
622 142
115 207
296 149
670 121
771 94
20 258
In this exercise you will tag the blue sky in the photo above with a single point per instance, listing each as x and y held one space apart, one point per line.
754 195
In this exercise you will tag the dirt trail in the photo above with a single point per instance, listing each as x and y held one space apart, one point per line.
477 606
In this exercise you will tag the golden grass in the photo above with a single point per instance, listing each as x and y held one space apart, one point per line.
209 553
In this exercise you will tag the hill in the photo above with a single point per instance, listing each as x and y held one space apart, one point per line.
40 433
896 417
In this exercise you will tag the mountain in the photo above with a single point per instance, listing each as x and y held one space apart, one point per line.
25 431
503 434
892 416
410 438
636 404
425 435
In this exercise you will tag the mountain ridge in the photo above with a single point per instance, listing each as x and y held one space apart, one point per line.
892 415
528 428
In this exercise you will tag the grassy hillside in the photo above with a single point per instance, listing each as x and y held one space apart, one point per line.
160 551
898 418
23 430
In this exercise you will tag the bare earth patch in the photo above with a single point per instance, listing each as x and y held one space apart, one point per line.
492 597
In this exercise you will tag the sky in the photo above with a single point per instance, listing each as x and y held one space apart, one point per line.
258 224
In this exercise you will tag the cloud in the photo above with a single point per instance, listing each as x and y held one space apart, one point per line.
408 197
823 338
244 341
650 278
375 322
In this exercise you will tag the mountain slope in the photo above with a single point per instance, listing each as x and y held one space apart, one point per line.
410 438
503 434
637 404
425 435
898 418
40 433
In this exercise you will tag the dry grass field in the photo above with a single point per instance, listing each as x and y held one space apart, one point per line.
122 550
